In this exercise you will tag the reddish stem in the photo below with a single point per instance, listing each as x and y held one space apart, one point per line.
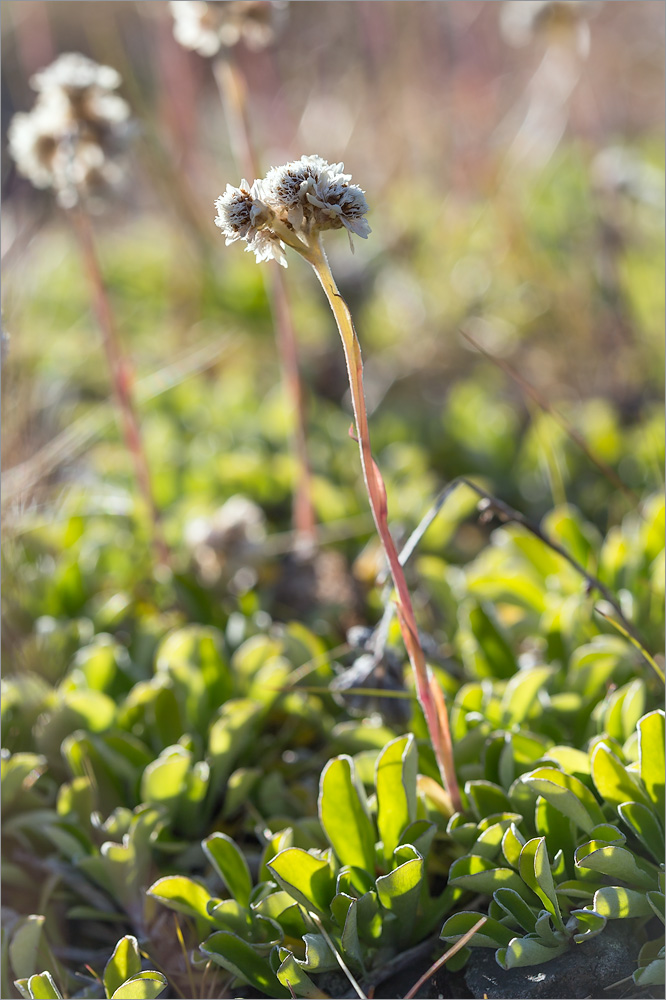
121 376
377 496
232 90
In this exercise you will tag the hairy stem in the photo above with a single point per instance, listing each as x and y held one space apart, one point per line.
377 496
233 93
121 378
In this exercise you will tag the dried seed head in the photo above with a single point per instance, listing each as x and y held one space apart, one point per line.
71 138
208 27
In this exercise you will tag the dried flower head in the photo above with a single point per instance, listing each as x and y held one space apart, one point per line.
70 139
208 27
522 20
292 204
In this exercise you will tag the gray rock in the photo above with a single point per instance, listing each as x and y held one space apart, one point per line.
586 970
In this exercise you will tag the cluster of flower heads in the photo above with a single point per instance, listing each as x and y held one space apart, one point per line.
208 27
77 127
300 199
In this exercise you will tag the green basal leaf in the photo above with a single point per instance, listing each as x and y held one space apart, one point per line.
610 834
523 951
617 863
183 895
41 986
124 963
614 782
515 906
280 907
420 835
487 798
512 844
318 954
229 915
462 832
18 772
229 862
294 978
230 735
278 842
351 946
395 782
570 760
480 875
534 868
498 659
567 794
615 902
645 825
493 934
165 779
240 785
558 830
545 931
651 757
242 960
656 901
589 924
521 693
652 974
344 815
399 894
309 880
489 842
142 986
24 946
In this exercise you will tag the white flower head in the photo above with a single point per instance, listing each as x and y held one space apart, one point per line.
315 195
522 20
208 27
292 204
70 139
242 215
80 88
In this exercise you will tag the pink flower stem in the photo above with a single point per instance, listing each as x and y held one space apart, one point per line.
121 377
433 706
233 93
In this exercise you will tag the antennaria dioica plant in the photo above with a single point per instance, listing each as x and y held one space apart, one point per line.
214 31
292 206
70 142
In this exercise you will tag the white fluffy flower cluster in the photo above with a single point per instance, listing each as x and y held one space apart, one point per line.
77 126
303 198
208 27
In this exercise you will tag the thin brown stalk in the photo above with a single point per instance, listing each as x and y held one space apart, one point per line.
233 93
121 377
453 950
605 469
377 496
508 513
